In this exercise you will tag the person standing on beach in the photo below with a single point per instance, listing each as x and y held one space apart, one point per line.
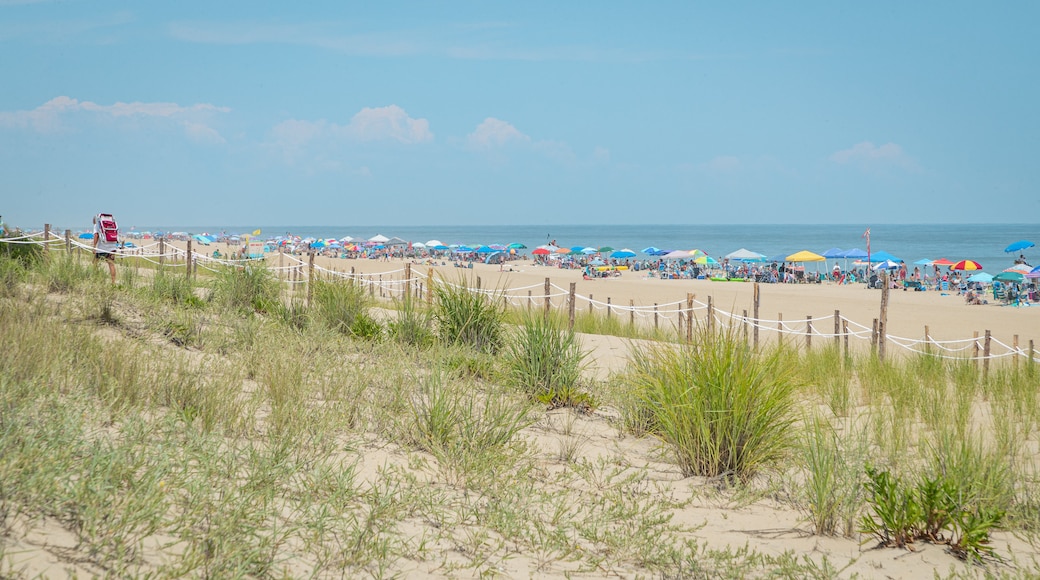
104 250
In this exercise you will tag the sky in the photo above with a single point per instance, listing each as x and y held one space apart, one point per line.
508 113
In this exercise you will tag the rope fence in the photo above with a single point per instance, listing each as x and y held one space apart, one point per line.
399 283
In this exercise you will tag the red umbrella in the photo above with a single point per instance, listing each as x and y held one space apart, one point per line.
942 262
966 265
541 251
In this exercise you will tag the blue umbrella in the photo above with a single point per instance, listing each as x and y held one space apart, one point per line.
981 277
1019 245
463 249
883 256
484 250
86 236
651 251
623 253
923 262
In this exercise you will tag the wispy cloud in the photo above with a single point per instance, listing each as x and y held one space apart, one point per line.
868 156
94 29
464 41
60 113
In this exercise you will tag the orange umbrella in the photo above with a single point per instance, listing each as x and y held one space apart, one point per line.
966 265
942 262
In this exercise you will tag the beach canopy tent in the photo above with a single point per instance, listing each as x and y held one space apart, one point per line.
853 254
881 256
745 255
805 256
395 241
834 253
379 239
981 277
1019 245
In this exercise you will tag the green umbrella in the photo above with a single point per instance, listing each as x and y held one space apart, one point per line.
1009 277
606 249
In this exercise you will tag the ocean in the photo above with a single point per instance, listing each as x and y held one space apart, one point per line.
983 243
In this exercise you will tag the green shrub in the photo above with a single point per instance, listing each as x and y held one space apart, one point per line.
247 288
63 273
343 307
469 317
545 362
413 324
832 490
724 409
174 288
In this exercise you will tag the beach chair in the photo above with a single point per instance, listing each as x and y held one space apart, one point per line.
998 293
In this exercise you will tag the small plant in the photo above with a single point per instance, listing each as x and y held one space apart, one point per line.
174 288
724 409
896 513
413 324
546 362
468 317
250 288
833 492
343 307
971 533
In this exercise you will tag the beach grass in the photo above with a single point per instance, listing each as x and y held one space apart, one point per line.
170 427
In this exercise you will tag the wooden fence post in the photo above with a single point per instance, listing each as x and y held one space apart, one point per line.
188 260
711 315
46 237
655 316
609 309
927 340
162 252
570 305
985 354
590 303
548 302
873 335
406 291
631 312
755 314
883 321
808 333
837 329
845 335
975 349
68 241
745 326
310 278
689 317
429 286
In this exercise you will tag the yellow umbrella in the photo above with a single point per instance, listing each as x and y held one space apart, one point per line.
806 256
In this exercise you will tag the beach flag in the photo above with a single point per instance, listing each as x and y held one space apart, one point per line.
256 232
866 234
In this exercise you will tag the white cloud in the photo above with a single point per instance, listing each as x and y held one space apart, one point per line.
866 154
392 122
493 133
722 164
48 116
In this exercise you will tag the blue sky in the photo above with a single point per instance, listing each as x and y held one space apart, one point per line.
335 113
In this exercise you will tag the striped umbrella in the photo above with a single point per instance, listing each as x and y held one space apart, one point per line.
966 265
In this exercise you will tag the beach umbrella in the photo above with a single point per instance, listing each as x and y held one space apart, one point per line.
966 265
834 253
804 256
1023 268
651 250
419 245
541 251
981 277
1009 277
433 243
597 262
706 260
517 246
1034 273
923 262
86 236
485 250
605 249
463 249
577 249
623 253
1019 245
562 251
589 250
886 265
942 262
439 247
